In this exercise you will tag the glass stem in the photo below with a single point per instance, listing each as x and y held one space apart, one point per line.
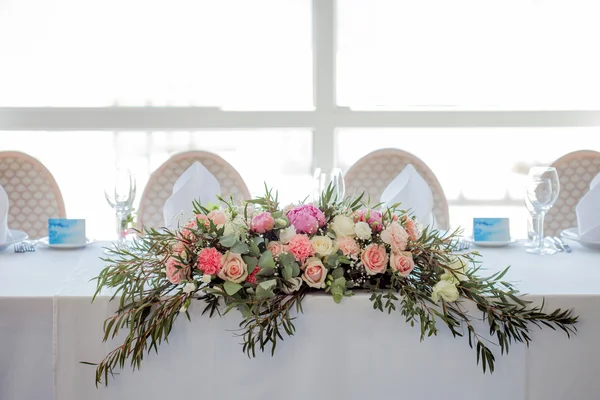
540 230
122 226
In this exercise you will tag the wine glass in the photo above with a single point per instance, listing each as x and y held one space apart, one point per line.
119 191
532 224
336 179
542 192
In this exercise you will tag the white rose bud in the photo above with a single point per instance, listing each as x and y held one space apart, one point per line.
363 230
295 284
189 287
285 235
323 245
343 226
206 278
444 290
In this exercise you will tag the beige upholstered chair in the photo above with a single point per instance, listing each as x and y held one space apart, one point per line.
575 171
372 173
160 185
33 193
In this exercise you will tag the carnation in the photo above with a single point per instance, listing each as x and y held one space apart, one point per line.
209 261
306 218
301 247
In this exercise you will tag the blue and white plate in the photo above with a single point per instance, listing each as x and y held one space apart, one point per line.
14 236
501 243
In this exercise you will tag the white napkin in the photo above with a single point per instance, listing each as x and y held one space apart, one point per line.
588 217
196 183
410 189
4 233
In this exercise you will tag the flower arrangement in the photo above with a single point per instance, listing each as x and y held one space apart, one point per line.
263 260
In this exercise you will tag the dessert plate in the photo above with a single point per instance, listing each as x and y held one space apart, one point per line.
573 234
492 243
15 236
45 242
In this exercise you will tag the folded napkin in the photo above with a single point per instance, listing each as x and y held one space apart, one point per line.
588 217
196 183
410 189
3 215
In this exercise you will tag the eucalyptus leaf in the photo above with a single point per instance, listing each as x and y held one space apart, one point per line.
251 262
228 240
231 288
240 248
266 260
268 272
287 272
337 273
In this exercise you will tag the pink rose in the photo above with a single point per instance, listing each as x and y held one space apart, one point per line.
217 217
301 247
176 272
372 217
314 273
402 263
411 229
395 236
306 218
179 248
276 248
234 268
263 222
375 259
348 246
209 261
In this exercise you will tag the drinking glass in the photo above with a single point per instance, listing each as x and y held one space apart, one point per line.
532 225
120 191
542 192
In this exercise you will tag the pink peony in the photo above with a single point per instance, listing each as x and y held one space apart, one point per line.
306 218
209 261
372 217
276 248
301 247
348 246
176 272
375 259
263 222
395 236
402 263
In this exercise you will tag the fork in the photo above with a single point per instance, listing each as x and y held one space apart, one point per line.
562 243
23 247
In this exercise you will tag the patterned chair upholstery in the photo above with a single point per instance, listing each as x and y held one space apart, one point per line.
575 172
160 184
33 193
374 172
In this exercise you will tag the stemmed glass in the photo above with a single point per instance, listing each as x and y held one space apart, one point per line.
120 192
542 192
532 225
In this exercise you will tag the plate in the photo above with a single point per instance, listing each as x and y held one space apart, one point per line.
16 237
573 234
45 242
492 243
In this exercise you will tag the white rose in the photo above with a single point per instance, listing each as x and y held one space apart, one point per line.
445 290
459 268
189 287
206 278
314 273
323 245
363 230
295 284
343 226
285 235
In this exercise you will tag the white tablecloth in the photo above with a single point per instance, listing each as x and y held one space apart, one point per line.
48 325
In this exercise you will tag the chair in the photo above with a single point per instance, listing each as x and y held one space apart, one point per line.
33 193
160 184
374 172
575 172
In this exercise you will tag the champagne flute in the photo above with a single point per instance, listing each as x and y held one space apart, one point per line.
120 192
542 192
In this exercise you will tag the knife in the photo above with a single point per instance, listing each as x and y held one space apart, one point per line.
563 244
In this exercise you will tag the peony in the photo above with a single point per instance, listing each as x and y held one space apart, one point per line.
263 222
176 272
445 290
306 218
343 226
323 245
395 236
402 263
411 229
217 217
348 246
209 261
234 268
301 247
294 285
276 248
314 273
372 217
285 235
363 230
375 259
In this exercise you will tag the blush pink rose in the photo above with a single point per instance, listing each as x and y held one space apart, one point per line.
314 273
395 236
217 217
179 248
176 272
301 247
348 246
375 259
263 222
276 248
402 263
209 261
306 218
372 217
234 268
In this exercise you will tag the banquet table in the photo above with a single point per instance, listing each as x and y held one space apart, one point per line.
48 325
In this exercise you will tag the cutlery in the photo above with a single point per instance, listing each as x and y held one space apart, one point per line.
563 244
558 246
23 247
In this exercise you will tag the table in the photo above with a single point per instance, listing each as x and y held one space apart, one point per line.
48 325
